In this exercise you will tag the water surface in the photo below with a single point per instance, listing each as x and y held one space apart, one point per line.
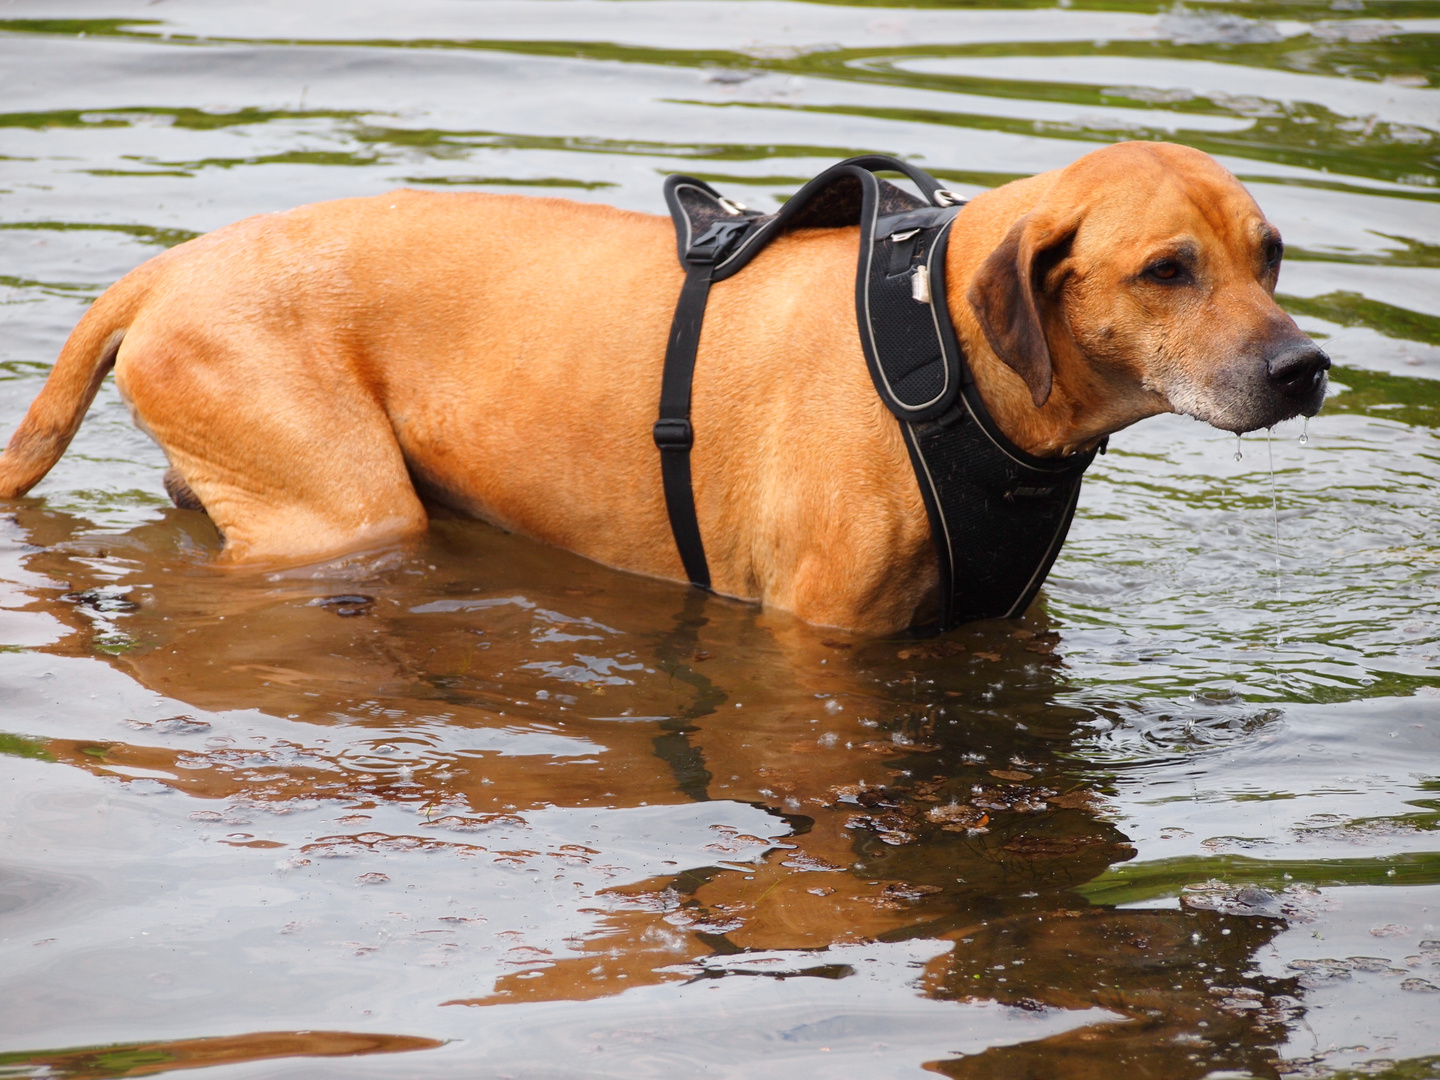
498 811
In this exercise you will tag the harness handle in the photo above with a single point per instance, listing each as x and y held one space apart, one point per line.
928 185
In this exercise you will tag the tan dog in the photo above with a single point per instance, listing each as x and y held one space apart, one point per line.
317 377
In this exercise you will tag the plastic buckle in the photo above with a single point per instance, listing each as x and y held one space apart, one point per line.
673 433
716 241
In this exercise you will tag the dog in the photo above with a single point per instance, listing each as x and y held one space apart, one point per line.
322 380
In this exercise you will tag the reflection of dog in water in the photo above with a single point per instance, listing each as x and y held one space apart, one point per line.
318 377
908 813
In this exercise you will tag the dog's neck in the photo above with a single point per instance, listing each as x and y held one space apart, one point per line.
1082 409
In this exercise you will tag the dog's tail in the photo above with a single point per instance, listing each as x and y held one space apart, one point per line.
55 414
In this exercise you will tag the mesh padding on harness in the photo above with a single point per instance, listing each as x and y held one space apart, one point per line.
914 363
1003 523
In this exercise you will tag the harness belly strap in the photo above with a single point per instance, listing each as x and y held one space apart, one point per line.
997 514
672 432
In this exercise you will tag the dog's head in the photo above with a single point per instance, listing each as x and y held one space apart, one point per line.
1142 281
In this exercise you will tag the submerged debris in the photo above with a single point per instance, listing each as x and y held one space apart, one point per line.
959 818
1295 903
900 893
931 650
104 599
1050 847
348 605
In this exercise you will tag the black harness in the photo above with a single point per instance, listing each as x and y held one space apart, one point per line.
997 514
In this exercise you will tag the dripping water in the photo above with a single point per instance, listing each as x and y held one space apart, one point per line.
1238 455
1305 431
1275 525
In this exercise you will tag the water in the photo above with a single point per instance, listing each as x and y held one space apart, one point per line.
488 809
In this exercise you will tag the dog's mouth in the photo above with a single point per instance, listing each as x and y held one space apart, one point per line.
1289 382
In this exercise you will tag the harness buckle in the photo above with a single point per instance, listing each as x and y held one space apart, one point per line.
673 433
715 242
948 198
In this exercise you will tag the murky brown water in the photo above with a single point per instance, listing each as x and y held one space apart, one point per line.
490 810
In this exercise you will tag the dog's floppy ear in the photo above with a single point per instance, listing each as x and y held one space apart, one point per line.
1007 293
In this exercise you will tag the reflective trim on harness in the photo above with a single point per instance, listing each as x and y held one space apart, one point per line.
998 515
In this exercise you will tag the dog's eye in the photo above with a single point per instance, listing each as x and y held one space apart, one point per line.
1274 250
1166 270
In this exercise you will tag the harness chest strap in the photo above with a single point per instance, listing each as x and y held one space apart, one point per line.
997 515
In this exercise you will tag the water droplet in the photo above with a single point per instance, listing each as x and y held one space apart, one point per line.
1238 455
1275 520
1305 432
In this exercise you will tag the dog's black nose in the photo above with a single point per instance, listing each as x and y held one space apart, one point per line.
1297 368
